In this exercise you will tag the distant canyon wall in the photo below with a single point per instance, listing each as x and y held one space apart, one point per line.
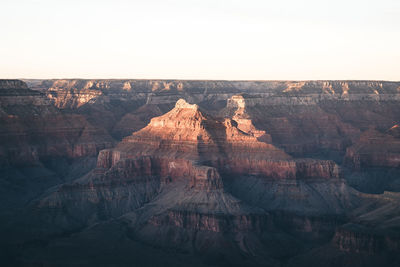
73 93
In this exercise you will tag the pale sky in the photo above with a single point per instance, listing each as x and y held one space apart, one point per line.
201 39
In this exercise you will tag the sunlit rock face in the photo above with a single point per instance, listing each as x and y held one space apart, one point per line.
187 132
211 173
243 120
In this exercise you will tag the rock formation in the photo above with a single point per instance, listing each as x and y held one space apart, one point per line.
40 145
32 128
254 173
183 179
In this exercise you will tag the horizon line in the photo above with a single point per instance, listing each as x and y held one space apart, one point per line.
231 80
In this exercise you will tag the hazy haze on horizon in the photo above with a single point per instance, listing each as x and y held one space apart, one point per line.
207 39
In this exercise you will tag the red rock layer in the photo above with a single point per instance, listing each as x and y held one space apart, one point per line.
111 166
186 133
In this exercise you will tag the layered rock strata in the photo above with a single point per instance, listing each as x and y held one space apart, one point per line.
32 128
229 185
188 147
375 149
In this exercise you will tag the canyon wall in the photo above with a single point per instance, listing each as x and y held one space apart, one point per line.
250 173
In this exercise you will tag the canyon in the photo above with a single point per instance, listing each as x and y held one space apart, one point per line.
199 173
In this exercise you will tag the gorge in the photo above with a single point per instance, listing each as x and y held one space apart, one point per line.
199 173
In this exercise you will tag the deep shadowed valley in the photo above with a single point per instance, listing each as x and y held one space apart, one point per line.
199 173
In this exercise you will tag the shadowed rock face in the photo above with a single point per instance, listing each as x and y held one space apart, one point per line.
375 149
41 146
32 128
220 173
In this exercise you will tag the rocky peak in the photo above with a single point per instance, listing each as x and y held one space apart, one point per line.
185 132
184 123
182 116
243 120
181 104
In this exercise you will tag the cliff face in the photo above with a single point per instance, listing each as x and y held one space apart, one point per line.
339 88
374 229
75 93
32 128
375 149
